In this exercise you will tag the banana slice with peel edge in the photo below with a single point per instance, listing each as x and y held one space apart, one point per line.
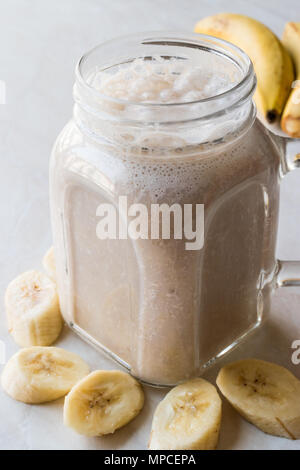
265 394
41 374
103 402
189 417
32 309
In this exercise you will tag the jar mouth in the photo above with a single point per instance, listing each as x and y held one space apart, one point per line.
169 44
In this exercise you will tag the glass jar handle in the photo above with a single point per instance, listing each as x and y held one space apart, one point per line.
288 272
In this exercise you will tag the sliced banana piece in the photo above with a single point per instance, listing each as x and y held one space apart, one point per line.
41 374
265 394
32 308
189 417
49 263
102 402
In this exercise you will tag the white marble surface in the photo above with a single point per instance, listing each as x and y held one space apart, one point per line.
40 42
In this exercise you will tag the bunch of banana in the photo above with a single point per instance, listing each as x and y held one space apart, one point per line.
265 394
272 63
189 417
102 402
32 308
290 120
42 374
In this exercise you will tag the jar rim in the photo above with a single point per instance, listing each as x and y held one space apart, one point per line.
190 40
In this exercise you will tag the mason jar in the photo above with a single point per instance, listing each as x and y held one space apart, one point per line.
165 306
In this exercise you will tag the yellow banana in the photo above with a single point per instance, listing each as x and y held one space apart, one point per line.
290 121
272 64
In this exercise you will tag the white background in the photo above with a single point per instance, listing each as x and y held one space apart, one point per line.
40 42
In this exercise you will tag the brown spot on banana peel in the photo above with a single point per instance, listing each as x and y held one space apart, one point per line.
271 116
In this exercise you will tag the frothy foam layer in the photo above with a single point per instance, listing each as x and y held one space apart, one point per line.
162 81
131 110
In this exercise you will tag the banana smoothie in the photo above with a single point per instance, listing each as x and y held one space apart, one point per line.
151 129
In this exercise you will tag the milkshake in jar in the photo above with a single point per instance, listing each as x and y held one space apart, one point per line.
162 123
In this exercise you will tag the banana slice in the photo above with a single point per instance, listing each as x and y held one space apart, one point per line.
32 308
189 417
103 402
265 394
41 374
49 263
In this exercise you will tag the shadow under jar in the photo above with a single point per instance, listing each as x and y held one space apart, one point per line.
163 311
